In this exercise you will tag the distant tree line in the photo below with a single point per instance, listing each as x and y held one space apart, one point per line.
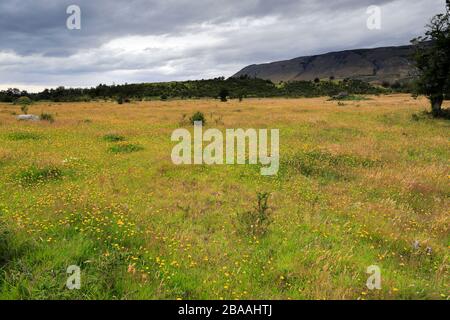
233 88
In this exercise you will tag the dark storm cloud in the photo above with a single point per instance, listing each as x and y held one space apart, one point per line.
155 40
30 26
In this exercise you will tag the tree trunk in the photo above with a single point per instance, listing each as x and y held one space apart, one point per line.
436 104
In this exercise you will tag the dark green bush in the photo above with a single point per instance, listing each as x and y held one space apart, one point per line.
125 148
112 137
198 116
47 117
223 94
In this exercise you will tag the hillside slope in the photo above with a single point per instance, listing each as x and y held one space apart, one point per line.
372 65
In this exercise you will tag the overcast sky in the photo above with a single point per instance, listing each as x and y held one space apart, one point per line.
163 40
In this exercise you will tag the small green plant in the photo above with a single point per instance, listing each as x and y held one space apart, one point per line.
125 148
47 117
198 116
112 137
257 221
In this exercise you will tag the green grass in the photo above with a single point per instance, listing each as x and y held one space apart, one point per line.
356 187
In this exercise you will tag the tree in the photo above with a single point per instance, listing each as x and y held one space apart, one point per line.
433 61
24 103
223 94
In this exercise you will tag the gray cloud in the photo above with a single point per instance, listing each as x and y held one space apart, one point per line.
158 40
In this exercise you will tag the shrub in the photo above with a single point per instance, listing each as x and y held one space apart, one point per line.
47 117
125 148
120 100
113 138
198 116
257 221
223 94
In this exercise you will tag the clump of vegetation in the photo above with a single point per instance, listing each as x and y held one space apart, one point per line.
112 137
18 136
198 116
24 103
125 148
256 222
35 175
47 117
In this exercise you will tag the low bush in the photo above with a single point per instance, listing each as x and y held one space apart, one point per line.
125 148
113 138
198 116
47 117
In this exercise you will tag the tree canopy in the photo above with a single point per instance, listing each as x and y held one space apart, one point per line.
433 61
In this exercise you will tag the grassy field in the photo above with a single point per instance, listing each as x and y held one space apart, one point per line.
359 183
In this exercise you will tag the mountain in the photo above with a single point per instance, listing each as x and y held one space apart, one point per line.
377 65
